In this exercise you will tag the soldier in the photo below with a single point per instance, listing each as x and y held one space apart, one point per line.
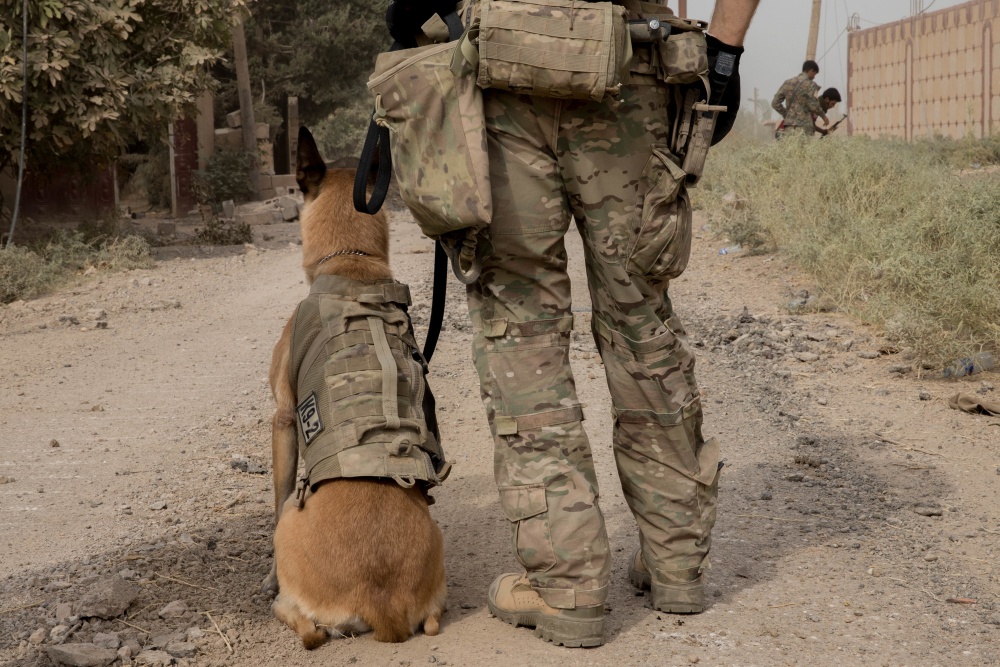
829 99
553 160
796 101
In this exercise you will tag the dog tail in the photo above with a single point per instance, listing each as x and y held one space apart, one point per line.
390 622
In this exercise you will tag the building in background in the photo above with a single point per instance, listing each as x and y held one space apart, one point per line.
935 73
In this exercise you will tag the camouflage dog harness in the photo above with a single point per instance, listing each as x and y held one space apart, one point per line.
365 409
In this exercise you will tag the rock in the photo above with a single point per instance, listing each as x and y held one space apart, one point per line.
53 443
181 649
63 611
109 597
107 640
901 369
132 646
246 465
930 558
806 357
234 120
289 213
97 315
994 619
925 396
6 480
795 477
81 655
58 631
928 511
38 636
158 505
175 609
766 495
68 320
229 209
821 401
194 634
154 658
869 354
125 654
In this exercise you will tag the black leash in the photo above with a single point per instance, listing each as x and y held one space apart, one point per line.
438 295
378 140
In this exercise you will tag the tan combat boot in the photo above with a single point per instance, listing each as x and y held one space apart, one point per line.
513 601
678 597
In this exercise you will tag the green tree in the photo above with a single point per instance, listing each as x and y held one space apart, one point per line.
102 73
319 51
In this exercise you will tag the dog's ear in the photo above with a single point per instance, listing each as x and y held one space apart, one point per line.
311 169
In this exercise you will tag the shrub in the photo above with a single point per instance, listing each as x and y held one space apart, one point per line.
226 176
27 273
228 232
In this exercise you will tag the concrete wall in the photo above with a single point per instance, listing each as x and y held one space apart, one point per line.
934 74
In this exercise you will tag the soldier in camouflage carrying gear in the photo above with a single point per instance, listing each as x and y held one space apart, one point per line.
553 160
796 101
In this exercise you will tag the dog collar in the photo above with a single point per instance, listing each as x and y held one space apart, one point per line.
343 252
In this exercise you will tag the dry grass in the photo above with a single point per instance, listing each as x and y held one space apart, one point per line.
891 230
30 272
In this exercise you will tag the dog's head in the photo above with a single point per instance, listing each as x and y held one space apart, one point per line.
330 224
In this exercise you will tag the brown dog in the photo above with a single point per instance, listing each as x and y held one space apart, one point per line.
362 553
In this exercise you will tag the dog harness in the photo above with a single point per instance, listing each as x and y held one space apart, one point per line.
361 386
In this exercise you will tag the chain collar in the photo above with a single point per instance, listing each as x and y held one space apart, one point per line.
340 253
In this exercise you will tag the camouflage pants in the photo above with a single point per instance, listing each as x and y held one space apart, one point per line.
552 160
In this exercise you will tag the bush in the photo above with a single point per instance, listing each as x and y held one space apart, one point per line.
906 244
229 232
23 274
27 273
226 176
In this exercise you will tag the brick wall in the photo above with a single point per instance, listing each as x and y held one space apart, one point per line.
934 74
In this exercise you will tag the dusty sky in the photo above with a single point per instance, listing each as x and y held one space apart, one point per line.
776 43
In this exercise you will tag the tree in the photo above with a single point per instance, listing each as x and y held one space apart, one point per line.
102 73
319 51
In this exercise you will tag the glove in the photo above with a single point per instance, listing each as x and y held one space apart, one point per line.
404 17
724 83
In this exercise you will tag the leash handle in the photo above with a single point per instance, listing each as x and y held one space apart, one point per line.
377 139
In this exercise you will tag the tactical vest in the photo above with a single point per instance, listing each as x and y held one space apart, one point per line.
361 387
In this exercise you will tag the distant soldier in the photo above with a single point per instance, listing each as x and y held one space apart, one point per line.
829 99
797 103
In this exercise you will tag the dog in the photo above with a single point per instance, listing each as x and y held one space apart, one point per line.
361 553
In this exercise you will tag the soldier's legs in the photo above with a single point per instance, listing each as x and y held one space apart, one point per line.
668 472
522 320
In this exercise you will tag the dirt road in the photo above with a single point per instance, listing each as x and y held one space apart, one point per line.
850 512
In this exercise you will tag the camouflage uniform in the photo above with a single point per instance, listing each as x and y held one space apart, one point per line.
551 160
797 103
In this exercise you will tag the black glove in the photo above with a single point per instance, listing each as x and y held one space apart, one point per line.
404 17
724 81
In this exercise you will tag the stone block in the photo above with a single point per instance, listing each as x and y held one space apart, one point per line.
234 120
261 131
284 180
264 217
229 209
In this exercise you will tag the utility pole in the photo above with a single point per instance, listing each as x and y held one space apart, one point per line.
246 106
756 112
682 8
814 31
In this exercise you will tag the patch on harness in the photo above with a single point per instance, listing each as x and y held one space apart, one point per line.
310 423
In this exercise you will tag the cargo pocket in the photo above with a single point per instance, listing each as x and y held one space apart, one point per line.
710 470
660 237
527 509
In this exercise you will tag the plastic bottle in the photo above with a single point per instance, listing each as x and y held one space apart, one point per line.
977 363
